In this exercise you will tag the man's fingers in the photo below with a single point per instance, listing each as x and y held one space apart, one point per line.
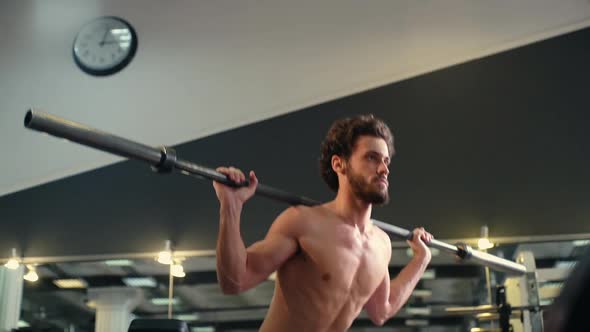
237 175
422 234
225 171
253 179
234 174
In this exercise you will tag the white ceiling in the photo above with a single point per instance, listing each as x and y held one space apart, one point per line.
206 66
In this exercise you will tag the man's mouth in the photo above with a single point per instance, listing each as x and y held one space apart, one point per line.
383 181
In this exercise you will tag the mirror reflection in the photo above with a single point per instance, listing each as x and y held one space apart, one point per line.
72 295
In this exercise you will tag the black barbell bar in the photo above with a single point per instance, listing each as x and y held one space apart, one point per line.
163 159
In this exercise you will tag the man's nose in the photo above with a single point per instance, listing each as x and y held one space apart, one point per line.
383 169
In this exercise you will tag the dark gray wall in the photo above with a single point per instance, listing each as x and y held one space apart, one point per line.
501 141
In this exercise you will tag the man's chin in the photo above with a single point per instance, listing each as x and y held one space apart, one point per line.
383 201
378 199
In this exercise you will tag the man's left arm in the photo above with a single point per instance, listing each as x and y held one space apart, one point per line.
390 296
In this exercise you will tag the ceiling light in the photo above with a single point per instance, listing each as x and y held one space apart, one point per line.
422 293
177 270
31 275
164 301
70 283
187 317
118 262
484 243
165 256
416 322
203 329
13 262
140 282
429 274
419 311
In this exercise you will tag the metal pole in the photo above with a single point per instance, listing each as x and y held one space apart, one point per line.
170 290
164 159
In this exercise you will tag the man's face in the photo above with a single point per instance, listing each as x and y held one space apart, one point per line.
367 170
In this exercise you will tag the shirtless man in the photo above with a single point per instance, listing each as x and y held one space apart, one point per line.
331 261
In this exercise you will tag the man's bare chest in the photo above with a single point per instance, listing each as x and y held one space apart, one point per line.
346 260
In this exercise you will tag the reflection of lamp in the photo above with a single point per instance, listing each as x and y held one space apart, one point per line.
70 283
177 270
13 262
165 256
484 243
31 275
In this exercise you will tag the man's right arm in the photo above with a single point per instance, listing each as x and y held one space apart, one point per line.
240 268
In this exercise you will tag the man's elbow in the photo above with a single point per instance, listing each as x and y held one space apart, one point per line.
378 318
230 287
378 321
381 318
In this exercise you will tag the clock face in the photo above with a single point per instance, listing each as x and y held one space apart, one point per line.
104 46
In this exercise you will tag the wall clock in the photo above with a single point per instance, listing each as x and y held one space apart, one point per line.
104 46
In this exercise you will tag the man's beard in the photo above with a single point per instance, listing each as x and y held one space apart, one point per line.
366 191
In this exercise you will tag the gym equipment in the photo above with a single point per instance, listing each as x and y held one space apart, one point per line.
518 302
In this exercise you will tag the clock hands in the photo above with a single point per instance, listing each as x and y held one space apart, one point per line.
104 37
111 42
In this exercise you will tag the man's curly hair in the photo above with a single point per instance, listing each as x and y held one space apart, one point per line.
341 138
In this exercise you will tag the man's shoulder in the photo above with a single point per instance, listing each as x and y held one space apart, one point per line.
302 211
381 234
292 216
300 216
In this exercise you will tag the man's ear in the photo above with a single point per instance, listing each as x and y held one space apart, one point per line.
338 164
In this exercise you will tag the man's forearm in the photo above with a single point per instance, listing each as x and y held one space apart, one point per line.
231 251
403 284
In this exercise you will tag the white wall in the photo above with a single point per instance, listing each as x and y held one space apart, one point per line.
206 66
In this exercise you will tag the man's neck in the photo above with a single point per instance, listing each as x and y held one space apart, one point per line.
352 210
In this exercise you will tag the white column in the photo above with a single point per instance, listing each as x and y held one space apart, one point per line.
11 294
113 307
